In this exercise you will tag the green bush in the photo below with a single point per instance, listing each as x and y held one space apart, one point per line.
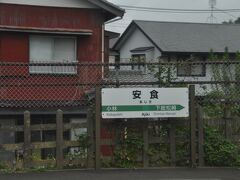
218 150
128 150
2 166
182 145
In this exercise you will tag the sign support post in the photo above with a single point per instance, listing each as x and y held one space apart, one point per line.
192 109
98 128
145 103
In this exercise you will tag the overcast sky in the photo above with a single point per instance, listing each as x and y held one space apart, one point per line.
180 4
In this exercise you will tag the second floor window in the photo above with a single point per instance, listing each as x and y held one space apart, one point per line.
138 61
50 50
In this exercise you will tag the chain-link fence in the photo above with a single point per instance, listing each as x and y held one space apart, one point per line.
34 85
46 84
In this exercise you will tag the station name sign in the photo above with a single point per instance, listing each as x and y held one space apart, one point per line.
145 102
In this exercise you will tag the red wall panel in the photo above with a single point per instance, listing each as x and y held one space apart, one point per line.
14 47
89 47
50 17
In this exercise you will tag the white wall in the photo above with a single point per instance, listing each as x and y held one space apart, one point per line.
200 89
138 39
112 59
53 3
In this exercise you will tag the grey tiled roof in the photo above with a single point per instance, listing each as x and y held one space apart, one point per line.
128 76
192 37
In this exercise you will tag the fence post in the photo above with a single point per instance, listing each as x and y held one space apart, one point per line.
27 139
146 145
59 140
117 67
90 152
98 128
192 124
227 119
172 137
200 136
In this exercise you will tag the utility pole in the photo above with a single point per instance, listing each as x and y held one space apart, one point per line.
212 4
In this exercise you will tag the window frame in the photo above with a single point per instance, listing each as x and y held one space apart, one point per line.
203 67
137 65
52 37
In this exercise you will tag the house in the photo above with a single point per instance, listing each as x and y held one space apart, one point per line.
111 38
152 41
35 36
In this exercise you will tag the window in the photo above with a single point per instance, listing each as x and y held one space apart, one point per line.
53 49
191 69
138 60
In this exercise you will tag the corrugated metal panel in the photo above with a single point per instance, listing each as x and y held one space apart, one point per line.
55 20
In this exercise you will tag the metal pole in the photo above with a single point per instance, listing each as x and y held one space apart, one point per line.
192 111
98 128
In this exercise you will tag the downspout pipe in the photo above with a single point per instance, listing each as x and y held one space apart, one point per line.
103 51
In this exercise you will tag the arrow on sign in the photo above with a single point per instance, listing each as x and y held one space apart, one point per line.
175 107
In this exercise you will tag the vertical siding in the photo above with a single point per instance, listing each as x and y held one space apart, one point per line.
89 47
14 47
36 16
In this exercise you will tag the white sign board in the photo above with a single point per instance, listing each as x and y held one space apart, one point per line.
145 102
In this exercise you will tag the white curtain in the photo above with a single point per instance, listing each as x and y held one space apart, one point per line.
51 49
